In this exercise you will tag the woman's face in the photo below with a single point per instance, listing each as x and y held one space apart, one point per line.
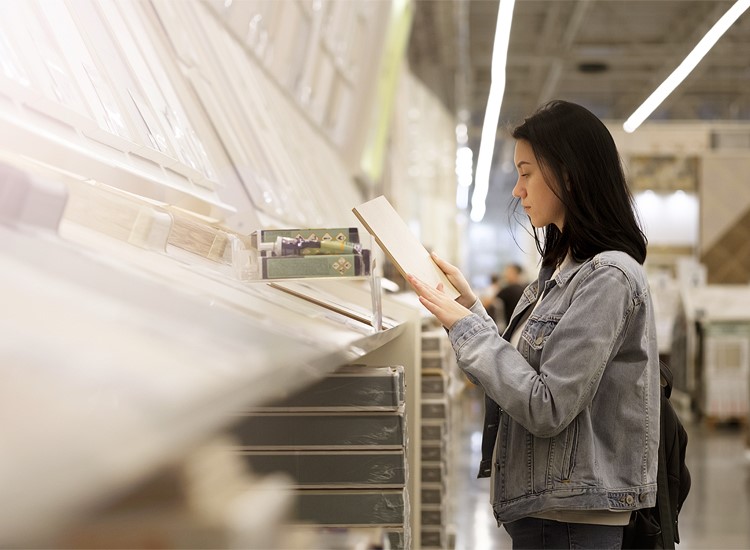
539 202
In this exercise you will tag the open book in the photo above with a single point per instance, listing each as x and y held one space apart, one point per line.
401 245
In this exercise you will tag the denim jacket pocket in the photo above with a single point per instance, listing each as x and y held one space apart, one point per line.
538 330
512 437
570 442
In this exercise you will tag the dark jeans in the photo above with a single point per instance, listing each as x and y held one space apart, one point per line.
538 534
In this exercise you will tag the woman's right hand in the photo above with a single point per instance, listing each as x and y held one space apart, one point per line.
454 275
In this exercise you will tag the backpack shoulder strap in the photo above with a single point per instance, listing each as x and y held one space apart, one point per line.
666 378
662 491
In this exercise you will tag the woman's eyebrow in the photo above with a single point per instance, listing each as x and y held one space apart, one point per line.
522 162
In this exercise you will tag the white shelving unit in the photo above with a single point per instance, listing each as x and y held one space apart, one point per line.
717 344
117 364
140 143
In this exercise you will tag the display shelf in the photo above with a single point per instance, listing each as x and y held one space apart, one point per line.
130 357
143 342
710 346
133 333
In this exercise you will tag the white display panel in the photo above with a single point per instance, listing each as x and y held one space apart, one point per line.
141 349
79 93
130 335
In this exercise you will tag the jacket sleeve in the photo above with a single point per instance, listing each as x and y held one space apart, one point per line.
481 312
573 358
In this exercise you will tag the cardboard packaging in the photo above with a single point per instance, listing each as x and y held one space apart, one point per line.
337 469
432 472
324 265
432 537
354 386
343 234
348 508
434 340
321 430
433 360
433 430
432 515
433 451
433 383
398 539
435 408
433 493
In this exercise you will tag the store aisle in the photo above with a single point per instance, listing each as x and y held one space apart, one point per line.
715 516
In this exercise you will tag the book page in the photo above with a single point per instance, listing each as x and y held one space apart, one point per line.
401 245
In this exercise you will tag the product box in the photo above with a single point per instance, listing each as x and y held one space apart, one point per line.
343 234
433 361
399 539
435 408
433 493
323 265
432 472
433 430
333 469
304 430
434 340
358 386
433 383
350 507
301 536
433 451
432 515
432 537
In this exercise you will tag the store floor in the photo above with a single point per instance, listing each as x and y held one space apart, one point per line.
715 516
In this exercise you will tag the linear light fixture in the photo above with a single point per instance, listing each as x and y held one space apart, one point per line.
492 113
687 65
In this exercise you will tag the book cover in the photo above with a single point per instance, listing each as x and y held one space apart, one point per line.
341 234
401 245
330 265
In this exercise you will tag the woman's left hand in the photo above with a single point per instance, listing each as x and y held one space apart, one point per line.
437 302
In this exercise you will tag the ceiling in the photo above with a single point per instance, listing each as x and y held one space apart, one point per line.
608 55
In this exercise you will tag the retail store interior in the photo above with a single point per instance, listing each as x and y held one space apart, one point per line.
179 373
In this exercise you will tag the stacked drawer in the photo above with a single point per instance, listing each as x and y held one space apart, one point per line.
343 442
435 409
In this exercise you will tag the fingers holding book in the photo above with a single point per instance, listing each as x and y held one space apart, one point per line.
442 306
457 279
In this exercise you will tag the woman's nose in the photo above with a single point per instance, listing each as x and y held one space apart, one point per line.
518 189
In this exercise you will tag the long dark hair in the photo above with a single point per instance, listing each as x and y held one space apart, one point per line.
573 147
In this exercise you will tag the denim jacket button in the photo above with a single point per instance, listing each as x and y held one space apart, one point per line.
629 500
539 340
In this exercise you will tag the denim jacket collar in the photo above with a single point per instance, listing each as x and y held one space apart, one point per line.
568 268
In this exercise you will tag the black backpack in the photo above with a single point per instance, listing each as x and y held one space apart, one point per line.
657 527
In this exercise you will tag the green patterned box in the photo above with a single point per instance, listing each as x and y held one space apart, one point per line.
342 234
334 265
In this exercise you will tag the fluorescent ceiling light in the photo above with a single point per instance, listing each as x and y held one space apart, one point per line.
492 114
687 65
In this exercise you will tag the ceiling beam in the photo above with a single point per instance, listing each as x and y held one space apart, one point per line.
549 88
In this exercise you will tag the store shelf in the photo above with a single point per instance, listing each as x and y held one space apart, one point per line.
712 339
113 369
141 144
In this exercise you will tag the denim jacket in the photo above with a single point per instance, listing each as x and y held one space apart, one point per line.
577 404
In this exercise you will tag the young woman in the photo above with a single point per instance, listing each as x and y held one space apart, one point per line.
572 386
